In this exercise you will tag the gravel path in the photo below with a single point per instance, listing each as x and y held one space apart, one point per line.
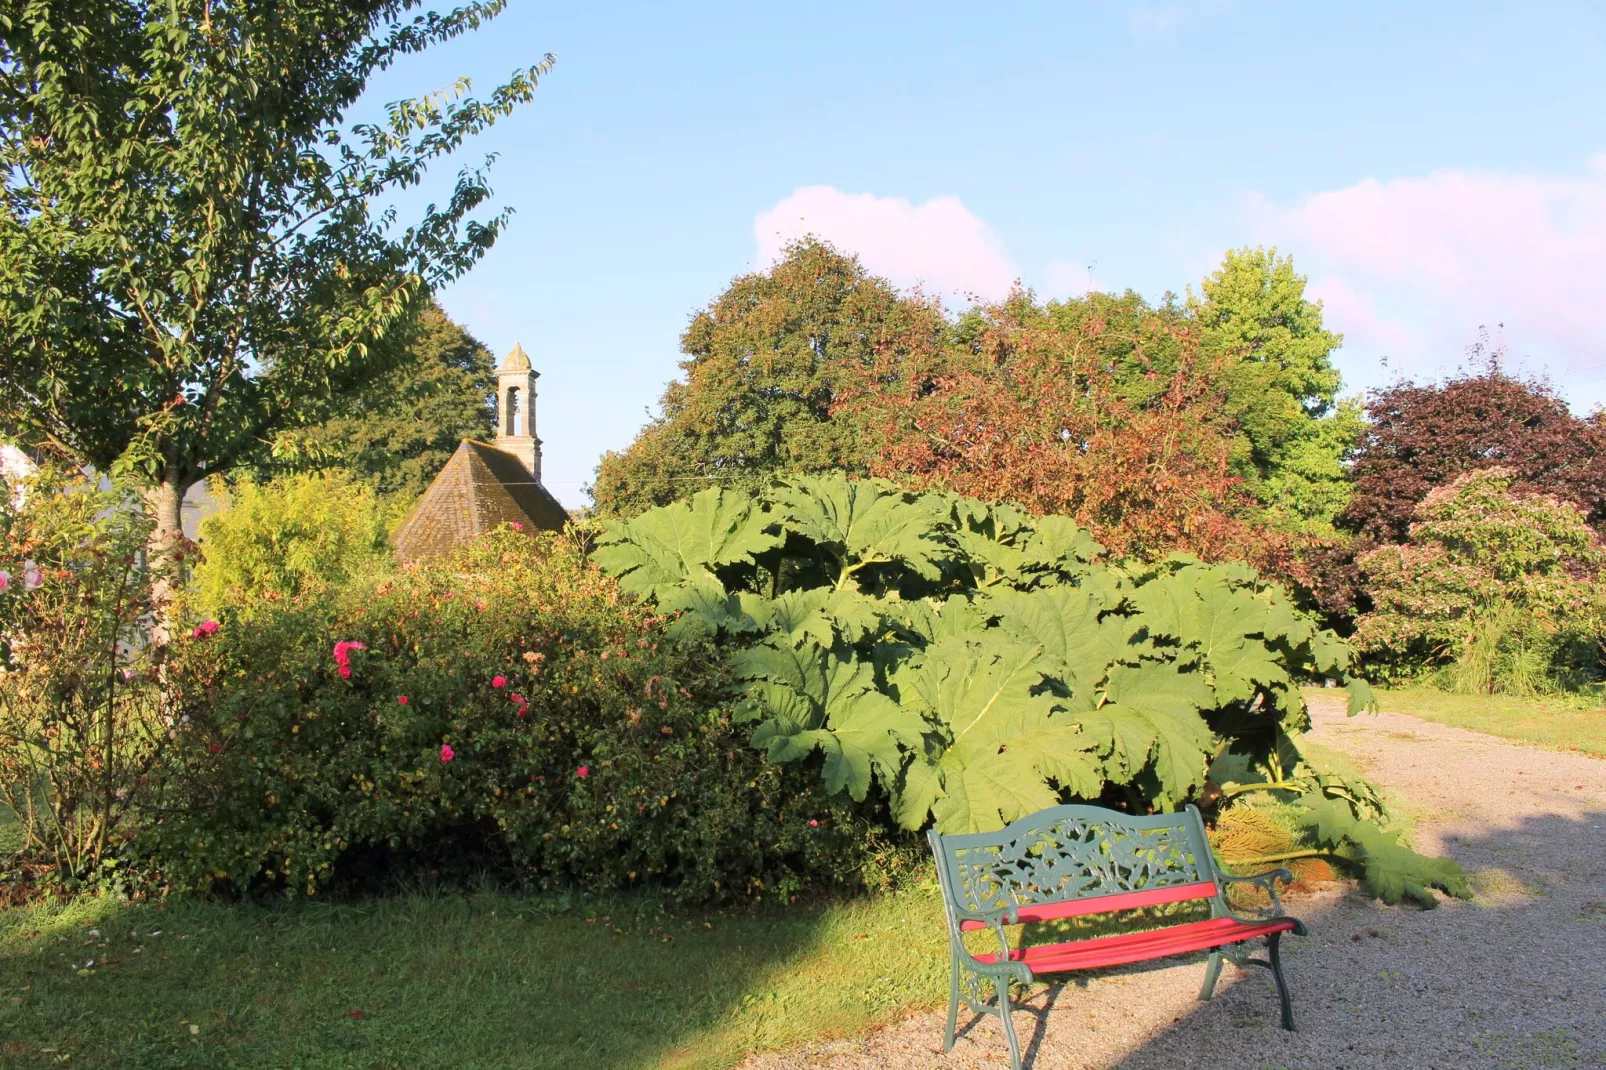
1514 979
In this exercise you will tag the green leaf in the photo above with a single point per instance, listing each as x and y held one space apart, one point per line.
866 521
818 698
1070 624
1005 741
1361 696
684 542
1391 870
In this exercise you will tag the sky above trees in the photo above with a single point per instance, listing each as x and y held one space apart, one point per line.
1431 169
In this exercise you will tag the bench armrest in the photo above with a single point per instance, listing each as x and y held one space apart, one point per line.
1267 882
1002 966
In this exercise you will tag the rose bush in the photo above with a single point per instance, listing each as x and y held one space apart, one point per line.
503 707
80 723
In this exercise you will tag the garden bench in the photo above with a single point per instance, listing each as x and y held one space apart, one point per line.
1070 861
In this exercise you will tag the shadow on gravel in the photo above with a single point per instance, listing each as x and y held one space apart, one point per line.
1515 979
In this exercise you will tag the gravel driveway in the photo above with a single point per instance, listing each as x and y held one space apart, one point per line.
1514 979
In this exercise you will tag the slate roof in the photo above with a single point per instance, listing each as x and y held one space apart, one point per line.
480 489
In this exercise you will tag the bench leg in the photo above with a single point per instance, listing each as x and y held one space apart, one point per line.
1212 971
1009 1023
953 1006
1272 942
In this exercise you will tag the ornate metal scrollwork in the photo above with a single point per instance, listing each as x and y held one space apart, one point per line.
1071 858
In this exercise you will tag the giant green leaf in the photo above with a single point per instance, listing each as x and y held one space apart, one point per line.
1004 742
1068 623
683 542
868 521
821 698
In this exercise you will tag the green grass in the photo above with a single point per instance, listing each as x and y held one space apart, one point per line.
1549 724
484 980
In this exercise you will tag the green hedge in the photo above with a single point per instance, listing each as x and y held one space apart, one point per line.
506 708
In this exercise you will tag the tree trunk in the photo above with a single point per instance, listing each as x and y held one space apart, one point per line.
165 552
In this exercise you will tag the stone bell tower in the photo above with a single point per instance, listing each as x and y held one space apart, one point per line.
515 411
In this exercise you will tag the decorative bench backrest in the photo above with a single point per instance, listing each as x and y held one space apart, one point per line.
1075 853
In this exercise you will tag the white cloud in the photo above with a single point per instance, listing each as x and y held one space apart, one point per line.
1454 249
939 245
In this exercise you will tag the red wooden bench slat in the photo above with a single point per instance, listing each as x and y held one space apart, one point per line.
1103 904
1137 947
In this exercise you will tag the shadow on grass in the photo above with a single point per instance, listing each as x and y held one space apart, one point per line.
1514 979
421 981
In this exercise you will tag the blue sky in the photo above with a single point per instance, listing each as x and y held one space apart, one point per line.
1431 168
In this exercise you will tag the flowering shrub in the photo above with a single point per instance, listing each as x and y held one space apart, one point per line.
1504 590
80 734
504 704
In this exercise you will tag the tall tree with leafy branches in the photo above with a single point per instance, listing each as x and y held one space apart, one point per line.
765 363
1280 386
193 255
398 431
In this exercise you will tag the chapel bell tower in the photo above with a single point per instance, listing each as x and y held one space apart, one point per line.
515 410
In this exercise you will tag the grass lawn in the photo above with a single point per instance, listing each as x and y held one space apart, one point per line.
1548 724
465 981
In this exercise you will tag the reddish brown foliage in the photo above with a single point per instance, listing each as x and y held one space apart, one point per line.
1424 436
1038 414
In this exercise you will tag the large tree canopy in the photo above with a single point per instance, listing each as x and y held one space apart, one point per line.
1102 410
764 364
1280 386
399 430
1208 426
191 259
1424 435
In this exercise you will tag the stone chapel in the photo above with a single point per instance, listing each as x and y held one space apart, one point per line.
485 485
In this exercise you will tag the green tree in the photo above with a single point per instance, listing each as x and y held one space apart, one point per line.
190 260
765 364
289 537
1282 388
399 431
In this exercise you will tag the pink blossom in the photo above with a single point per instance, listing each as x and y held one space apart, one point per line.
402 699
32 578
5 580
517 699
206 627
517 526
447 753
498 681
523 710
213 748
582 772
343 651
813 824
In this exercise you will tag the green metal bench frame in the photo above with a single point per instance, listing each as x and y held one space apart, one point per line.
1074 860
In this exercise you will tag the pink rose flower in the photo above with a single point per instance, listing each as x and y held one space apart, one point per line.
206 627
343 651
517 526
813 824
447 753
498 681
517 699
523 710
582 772
402 699
5 580
32 578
